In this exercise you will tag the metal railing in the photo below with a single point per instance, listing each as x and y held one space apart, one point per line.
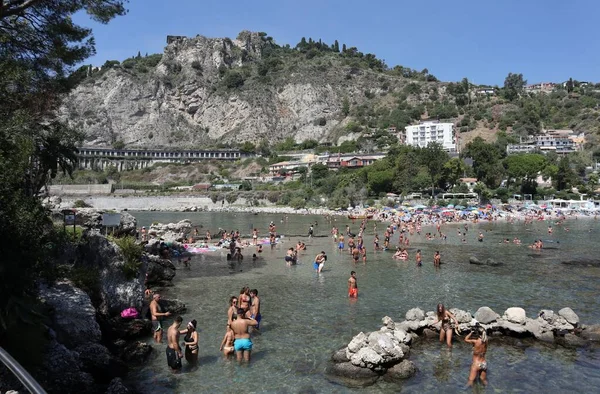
26 379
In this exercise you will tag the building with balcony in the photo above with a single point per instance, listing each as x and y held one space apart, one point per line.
425 133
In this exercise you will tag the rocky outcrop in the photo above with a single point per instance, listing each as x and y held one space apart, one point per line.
183 99
547 326
60 371
371 355
171 232
160 271
116 291
73 315
489 262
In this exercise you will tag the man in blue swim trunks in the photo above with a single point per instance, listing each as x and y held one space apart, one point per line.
319 262
255 307
242 343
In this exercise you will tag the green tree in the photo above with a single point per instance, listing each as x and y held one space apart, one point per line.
336 46
565 176
433 157
319 171
487 163
453 170
248 148
514 85
524 167
39 46
231 197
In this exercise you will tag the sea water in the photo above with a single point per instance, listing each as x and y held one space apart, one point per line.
307 317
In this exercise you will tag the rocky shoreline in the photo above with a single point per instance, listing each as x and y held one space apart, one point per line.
89 347
383 354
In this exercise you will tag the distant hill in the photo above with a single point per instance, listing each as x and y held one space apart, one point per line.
218 91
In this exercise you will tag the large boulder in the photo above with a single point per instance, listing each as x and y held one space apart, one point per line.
415 314
97 360
117 291
367 358
408 325
351 375
486 315
340 356
402 370
386 346
358 342
570 316
388 322
120 328
60 371
172 231
73 315
515 315
461 316
135 353
160 271
514 329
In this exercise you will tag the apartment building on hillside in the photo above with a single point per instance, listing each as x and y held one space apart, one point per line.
425 133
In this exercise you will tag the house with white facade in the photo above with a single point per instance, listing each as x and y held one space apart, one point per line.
427 132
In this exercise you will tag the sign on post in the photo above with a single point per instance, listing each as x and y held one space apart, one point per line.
111 220
69 220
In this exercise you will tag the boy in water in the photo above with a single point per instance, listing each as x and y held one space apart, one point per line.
418 257
352 286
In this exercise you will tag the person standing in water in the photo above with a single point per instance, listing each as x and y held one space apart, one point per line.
191 342
437 259
156 317
479 341
173 350
255 307
418 258
444 317
242 343
227 343
352 286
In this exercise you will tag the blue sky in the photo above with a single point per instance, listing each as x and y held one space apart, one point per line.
484 40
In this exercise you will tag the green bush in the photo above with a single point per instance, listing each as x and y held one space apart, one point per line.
297 203
233 79
132 254
81 204
87 279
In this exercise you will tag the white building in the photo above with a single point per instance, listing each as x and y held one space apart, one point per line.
424 133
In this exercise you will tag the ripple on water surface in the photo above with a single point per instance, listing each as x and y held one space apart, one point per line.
308 316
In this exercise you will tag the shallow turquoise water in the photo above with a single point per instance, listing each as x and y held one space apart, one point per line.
306 316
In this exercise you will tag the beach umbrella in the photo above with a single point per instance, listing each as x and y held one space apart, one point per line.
450 206
420 207
458 207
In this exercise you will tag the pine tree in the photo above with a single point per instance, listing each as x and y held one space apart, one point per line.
343 48
139 55
336 46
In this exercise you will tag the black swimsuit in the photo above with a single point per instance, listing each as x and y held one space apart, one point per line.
188 338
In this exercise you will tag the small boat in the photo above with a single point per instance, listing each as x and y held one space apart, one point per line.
361 216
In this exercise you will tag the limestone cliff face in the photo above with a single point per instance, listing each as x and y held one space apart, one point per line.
185 101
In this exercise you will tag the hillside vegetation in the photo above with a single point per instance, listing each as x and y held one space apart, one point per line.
223 92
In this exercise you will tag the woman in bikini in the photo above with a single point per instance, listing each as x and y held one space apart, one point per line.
232 310
191 342
244 299
479 365
444 317
227 343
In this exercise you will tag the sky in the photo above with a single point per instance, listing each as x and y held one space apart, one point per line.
483 40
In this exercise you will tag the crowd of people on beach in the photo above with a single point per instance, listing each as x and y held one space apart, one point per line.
244 314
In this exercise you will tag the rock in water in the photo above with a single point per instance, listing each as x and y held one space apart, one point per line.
403 370
486 315
474 260
515 315
569 316
351 375
415 314
74 316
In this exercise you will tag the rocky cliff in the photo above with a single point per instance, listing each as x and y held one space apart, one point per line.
217 90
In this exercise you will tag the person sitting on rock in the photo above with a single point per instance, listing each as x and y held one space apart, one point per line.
478 338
